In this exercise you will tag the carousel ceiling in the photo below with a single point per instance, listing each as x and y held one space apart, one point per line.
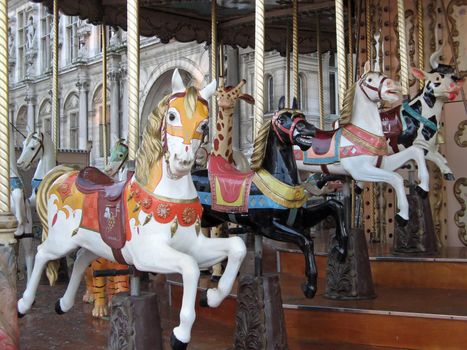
188 20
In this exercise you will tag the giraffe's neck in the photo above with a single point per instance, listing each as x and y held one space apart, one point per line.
223 140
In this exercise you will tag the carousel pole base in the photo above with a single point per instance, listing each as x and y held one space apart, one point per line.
418 236
260 321
135 322
9 331
350 279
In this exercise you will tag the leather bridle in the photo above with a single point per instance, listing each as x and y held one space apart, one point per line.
296 118
378 89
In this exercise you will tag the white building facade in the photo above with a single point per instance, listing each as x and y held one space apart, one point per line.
81 123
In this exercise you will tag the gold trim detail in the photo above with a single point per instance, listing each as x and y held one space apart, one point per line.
281 193
460 130
461 232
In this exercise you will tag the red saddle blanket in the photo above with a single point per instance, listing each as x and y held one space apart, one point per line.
104 206
230 188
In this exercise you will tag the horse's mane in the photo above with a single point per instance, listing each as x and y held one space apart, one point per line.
151 150
347 105
259 147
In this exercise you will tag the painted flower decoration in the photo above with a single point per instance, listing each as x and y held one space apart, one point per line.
189 216
163 211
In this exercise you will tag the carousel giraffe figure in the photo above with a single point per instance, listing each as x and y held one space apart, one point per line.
100 290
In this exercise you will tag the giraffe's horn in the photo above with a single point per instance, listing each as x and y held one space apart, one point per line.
240 84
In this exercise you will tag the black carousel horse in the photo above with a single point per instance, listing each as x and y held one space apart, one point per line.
281 219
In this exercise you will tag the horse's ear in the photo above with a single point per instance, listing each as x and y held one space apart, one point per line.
418 73
281 103
367 67
208 90
177 82
295 103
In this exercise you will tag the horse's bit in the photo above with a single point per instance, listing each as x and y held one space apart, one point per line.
41 147
371 87
296 118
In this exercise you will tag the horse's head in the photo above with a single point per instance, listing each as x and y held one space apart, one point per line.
185 124
291 127
441 81
118 156
378 87
33 149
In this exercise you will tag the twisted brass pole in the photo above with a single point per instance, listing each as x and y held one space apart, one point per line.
421 40
55 107
369 35
259 66
133 77
287 68
341 60
213 64
320 74
296 93
403 48
4 128
104 92
350 33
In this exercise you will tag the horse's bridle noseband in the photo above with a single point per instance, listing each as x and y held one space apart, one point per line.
41 147
371 87
296 118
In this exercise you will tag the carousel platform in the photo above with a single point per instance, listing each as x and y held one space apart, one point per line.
421 301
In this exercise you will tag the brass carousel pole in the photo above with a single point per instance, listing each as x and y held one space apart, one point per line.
55 107
104 92
287 68
296 93
259 67
350 44
421 40
341 60
403 49
9 326
320 75
213 65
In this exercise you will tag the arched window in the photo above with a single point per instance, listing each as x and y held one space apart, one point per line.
270 95
71 112
96 125
21 124
301 94
43 123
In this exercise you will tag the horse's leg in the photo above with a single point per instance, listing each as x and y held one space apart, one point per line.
83 259
210 251
28 243
162 258
88 296
47 251
362 170
288 234
415 153
217 268
321 211
441 163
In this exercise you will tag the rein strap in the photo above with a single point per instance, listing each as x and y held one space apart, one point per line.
414 114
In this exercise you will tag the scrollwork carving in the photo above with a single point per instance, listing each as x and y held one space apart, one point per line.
457 20
459 138
460 190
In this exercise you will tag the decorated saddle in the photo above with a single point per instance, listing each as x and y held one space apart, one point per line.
230 187
103 207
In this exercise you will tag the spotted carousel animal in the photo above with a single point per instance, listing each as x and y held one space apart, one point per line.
417 121
100 290
162 221
21 209
269 198
358 148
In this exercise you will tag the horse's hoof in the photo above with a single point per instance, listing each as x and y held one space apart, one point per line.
401 221
203 300
308 290
58 308
177 344
449 177
215 278
358 190
421 192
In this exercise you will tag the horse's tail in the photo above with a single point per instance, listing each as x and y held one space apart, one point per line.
41 204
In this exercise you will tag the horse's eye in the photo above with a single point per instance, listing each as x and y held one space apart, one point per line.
203 127
370 80
120 156
32 148
171 117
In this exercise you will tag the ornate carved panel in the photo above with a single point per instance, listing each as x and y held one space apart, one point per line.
460 137
457 17
460 218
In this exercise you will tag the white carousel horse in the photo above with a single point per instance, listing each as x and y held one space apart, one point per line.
359 148
416 122
37 146
163 212
21 209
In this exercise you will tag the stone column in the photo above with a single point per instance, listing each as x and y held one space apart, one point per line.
83 87
31 104
114 78
124 99
9 332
